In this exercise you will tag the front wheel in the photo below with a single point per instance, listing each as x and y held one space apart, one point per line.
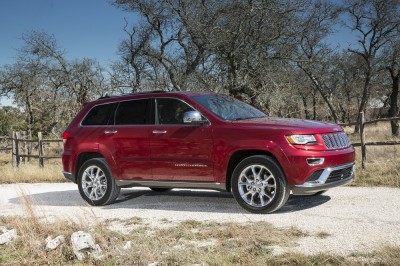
259 185
96 184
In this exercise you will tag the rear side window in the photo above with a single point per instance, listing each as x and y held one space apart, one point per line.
100 115
136 112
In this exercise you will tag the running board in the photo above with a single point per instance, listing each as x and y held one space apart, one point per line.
171 184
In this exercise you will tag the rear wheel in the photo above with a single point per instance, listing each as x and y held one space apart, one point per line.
96 184
259 185
160 189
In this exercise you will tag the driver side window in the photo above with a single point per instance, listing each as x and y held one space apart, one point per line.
170 111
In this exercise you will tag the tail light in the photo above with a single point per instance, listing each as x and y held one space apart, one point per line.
65 136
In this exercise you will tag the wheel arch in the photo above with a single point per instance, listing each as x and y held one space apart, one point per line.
82 158
239 156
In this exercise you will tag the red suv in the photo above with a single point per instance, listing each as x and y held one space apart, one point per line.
166 140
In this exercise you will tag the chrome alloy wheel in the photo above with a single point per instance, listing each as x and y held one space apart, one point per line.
94 183
257 185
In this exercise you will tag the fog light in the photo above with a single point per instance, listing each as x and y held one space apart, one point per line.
315 161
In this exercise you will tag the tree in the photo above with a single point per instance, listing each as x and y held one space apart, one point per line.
213 45
50 88
12 119
393 67
162 37
376 23
23 80
312 55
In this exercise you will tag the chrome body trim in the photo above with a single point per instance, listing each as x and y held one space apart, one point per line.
315 161
193 117
320 184
336 140
159 131
171 184
110 132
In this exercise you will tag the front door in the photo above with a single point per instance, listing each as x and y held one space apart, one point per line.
180 152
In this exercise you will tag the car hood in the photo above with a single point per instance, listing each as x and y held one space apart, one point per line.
294 125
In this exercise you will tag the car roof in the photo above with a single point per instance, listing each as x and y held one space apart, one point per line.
159 93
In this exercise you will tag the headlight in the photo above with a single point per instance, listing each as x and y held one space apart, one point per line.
301 139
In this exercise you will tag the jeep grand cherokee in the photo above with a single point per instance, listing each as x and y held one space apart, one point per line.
199 140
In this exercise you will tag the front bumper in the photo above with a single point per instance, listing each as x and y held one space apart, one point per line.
329 178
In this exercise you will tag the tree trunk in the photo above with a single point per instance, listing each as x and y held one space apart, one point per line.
364 99
394 109
29 112
314 100
306 112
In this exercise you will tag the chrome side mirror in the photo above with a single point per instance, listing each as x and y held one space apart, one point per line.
194 117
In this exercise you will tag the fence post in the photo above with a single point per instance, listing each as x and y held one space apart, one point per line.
15 149
29 136
40 148
362 138
23 147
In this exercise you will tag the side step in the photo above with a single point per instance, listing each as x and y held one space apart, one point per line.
170 184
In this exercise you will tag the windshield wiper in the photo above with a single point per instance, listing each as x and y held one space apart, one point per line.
245 118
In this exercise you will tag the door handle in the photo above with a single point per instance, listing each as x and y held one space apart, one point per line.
109 132
159 131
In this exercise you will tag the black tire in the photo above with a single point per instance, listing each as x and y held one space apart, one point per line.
106 190
160 189
264 193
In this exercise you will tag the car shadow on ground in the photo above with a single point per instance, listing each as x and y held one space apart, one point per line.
299 203
175 200
205 201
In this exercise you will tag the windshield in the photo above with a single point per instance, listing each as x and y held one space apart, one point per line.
228 108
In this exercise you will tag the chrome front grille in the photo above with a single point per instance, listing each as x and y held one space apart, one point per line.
336 140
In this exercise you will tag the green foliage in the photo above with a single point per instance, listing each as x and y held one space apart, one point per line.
11 119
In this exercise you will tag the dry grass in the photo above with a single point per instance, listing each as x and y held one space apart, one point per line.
323 235
380 170
184 244
382 161
29 172
190 242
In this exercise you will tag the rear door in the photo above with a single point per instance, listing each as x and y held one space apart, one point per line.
93 135
180 152
133 121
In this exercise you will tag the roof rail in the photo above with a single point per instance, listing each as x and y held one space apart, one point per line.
133 93
155 91
104 97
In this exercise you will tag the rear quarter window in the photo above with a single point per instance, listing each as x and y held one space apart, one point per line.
100 115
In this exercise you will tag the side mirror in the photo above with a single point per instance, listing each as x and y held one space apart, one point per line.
194 117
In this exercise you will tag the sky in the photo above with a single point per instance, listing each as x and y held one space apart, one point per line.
84 28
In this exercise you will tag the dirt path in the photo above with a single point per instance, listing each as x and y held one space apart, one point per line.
353 219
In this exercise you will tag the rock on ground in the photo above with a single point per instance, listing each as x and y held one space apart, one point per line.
52 244
82 244
7 236
127 246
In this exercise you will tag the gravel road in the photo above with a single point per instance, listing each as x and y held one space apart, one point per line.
356 219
